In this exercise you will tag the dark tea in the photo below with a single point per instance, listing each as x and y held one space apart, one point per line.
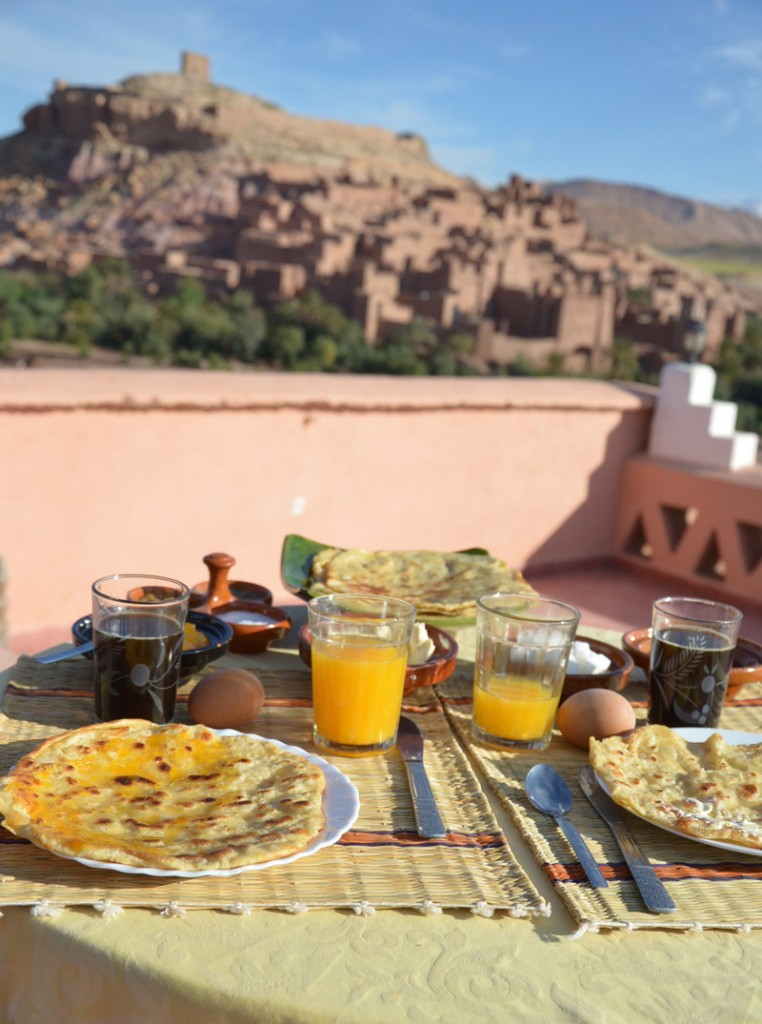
137 665
688 677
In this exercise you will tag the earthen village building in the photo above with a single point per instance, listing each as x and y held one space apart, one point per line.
514 266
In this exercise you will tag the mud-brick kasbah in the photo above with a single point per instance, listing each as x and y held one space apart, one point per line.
360 214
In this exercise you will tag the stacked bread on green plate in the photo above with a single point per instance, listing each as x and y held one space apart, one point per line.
441 584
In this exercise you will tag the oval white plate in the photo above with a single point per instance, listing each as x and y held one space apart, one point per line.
692 735
341 805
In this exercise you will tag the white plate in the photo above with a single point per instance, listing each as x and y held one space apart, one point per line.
691 735
341 805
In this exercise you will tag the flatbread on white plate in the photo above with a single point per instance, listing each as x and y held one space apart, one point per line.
710 790
169 797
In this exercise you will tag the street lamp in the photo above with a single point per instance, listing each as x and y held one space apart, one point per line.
694 339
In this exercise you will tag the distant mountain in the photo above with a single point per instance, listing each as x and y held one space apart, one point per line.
635 215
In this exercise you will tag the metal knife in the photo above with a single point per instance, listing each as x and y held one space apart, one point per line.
70 652
410 746
655 896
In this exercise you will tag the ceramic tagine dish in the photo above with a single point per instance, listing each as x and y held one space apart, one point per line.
253 618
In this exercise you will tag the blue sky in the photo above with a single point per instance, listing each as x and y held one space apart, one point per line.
661 93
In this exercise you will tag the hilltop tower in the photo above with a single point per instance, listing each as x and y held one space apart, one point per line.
195 65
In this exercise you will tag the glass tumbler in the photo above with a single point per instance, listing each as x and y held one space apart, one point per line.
138 627
522 649
359 656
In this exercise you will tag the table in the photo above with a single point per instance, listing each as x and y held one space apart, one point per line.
391 966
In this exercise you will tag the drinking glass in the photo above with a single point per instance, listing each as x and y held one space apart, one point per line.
138 625
522 649
692 647
359 656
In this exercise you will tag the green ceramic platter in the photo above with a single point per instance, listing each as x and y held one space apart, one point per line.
296 559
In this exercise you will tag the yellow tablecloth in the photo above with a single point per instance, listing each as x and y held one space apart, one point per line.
336 966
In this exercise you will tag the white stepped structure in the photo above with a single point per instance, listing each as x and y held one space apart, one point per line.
690 426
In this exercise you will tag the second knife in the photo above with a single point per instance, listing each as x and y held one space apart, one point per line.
410 746
655 896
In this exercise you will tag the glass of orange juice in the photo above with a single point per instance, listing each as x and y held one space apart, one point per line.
359 656
522 648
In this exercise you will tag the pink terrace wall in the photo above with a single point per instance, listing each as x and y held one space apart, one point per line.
147 471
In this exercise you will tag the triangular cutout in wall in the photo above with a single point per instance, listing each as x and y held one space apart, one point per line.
750 540
676 522
637 541
711 564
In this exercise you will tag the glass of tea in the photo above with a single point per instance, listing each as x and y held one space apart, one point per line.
692 645
138 626
359 656
522 649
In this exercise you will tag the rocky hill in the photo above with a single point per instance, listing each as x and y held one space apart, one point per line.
82 133
179 141
634 215
138 164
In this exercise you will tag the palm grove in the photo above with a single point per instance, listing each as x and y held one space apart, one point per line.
105 307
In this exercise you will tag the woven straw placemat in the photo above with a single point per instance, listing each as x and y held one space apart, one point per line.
380 862
712 888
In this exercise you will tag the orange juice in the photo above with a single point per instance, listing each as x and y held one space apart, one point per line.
515 708
357 692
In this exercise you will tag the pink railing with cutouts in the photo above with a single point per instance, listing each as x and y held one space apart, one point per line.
699 525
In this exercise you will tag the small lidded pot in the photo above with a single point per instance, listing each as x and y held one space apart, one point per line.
255 623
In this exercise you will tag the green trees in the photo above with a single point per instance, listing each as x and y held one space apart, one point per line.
622 361
739 375
309 334
106 306
30 305
249 326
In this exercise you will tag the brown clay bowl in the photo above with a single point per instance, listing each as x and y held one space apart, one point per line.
615 677
255 625
746 667
436 669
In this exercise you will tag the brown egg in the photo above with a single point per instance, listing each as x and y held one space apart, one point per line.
594 713
229 698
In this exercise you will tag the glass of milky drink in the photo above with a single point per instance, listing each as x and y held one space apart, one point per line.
138 624
523 643
359 656
692 647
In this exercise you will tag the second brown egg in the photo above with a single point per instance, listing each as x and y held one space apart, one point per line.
596 714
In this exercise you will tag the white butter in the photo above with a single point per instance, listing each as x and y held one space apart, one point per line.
585 661
421 646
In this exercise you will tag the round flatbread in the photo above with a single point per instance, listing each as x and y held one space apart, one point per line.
711 790
168 797
435 582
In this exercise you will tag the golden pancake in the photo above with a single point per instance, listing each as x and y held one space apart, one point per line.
172 797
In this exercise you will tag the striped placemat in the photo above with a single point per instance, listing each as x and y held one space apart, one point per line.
381 862
712 888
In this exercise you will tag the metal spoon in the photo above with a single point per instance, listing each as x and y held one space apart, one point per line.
548 792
